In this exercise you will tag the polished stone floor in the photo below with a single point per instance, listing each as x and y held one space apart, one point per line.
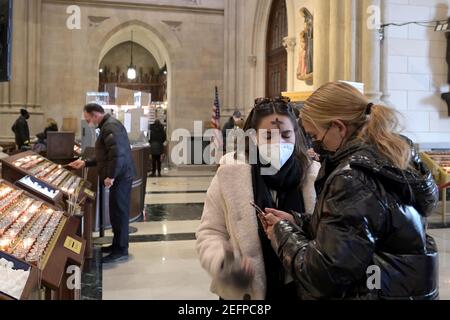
163 262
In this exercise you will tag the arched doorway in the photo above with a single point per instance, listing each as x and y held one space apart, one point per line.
276 54
151 78
150 40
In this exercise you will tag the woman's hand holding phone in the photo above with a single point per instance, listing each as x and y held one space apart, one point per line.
271 217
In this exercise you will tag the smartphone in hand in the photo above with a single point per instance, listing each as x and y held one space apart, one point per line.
258 209
261 215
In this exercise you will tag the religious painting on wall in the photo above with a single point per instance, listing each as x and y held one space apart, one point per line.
305 64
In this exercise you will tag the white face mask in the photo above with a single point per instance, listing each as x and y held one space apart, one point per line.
277 154
92 125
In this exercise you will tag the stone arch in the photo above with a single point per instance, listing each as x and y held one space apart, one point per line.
150 37
159 40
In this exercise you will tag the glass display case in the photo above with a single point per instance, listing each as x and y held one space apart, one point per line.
27 225
46 180
33 232
17 278
47 171
41 189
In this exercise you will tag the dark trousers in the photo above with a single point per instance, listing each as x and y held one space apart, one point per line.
156 163
119 208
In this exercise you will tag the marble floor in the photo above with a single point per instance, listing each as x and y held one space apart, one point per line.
160 270
163 263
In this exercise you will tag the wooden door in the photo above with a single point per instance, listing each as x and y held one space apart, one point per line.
276 69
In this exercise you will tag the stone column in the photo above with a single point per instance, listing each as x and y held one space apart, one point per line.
289 44
385 57
337 44
230 71
321 42
252 61
34 57
371 54
23 89
18 84
350 57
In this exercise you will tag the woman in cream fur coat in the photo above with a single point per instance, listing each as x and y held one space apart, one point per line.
230 221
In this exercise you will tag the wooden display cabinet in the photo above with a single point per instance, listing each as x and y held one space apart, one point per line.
60 146
141 157
87 198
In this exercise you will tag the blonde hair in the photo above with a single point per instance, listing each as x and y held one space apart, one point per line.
341 101
51 121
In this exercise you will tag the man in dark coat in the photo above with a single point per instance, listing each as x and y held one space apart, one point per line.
21 130
116 170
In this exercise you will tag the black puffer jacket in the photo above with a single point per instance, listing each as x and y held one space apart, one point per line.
369 213
112 151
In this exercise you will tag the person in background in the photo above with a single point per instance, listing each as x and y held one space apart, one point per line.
158 138
231 242
367 237
41 145
309 144
2 154
239 124
232 136
310 150
230 125
116 169
297 113
22 131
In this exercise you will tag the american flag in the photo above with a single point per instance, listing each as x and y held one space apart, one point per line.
215 120
215 125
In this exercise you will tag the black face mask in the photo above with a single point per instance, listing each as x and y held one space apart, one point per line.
320 149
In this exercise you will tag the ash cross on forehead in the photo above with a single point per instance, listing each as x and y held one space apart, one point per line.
277 123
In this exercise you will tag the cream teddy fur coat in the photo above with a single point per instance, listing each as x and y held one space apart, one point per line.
229 220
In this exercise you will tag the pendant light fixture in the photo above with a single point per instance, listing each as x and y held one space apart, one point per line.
131 73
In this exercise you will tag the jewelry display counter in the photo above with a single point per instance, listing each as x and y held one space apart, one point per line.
38 242
45 179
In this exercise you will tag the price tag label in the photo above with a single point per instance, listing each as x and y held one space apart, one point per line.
73 245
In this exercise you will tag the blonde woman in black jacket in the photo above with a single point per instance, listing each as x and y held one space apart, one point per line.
367 236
